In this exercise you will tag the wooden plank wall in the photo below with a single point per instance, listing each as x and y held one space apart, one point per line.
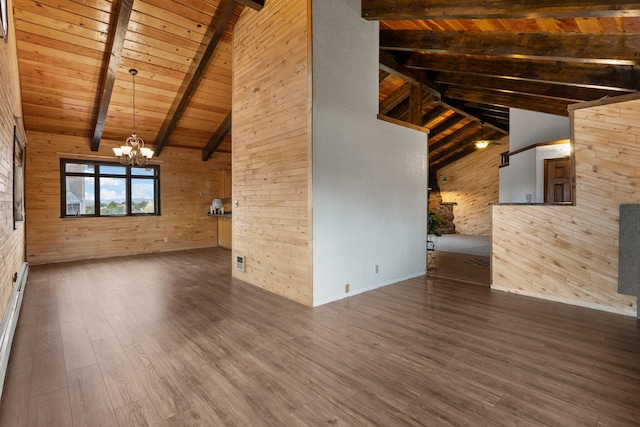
473 183
11 241
570 253
272 148
184 221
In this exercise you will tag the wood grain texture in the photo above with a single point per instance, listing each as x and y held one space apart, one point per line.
88 397
570 253
272 148
64 50
426 351
183 177
473 184
12 247
224 232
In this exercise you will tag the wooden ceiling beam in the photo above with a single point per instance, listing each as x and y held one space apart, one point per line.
393 100
452 120
510 85
461 149
214 34
501 114
467 140
401 111
116 42
498 9
533 103
387 62
568 73
455 135
219 135
253 4
460 108
415 103
616 49
433 114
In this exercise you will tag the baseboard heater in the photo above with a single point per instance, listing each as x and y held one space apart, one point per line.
10 321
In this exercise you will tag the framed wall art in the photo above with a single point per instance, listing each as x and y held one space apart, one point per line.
18 179
5 19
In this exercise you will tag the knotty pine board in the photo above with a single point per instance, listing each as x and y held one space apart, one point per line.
570 253
272 148
11 241
183 219
473 184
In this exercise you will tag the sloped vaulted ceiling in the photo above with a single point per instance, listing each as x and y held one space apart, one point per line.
474 60
453 66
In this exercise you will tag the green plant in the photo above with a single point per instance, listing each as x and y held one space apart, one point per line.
433 221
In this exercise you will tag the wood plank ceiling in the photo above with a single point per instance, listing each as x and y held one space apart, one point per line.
454 66
75 55
475 59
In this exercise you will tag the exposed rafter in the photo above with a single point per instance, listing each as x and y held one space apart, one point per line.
415 104
395 98
568 73
468 111
523 101
253 4
214 33
460 150
458 134
518 86
122 16
389 64
498 9
450 121
220 134
615 49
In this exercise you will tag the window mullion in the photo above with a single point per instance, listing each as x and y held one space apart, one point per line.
96 187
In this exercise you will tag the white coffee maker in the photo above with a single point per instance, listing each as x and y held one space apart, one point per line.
216 207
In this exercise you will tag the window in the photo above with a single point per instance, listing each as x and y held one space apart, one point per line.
108 189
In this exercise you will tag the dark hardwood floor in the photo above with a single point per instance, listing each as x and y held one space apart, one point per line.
172 340
462 267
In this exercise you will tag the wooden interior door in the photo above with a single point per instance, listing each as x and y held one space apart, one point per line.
557 180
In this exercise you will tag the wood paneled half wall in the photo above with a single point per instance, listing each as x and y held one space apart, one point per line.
570 253
272 147
187 187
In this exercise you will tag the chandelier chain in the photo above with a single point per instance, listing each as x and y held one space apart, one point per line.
133 78
133 152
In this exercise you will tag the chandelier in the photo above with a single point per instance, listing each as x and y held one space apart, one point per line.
134 152
482 143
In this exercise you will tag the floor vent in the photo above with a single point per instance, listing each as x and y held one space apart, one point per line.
10 320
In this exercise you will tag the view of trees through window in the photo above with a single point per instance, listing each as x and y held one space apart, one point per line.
101 189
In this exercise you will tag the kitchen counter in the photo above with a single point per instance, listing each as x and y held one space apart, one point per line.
224 215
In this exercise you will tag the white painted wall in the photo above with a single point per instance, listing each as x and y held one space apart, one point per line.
369 176
521 176
530 127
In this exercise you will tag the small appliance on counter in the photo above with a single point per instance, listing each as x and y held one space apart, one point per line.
216 207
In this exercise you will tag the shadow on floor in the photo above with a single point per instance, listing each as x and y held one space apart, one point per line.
462 267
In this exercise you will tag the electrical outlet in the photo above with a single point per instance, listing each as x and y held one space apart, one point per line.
52 248
346 288
166 239
375 269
